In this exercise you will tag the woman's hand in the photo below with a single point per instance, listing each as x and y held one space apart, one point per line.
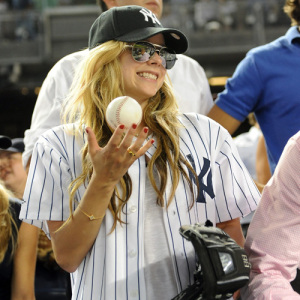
112 162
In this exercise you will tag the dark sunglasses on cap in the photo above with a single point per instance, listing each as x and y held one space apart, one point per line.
143 51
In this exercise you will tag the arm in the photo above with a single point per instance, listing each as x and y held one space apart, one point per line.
241 95
223 118
109 165
263 172
234 230
229 123
236 195
24 263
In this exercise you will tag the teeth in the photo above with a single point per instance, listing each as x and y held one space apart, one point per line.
148 75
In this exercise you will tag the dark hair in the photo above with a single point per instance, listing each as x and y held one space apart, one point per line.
292 9
102 4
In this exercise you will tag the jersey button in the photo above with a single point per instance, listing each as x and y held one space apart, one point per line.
132 253
133 209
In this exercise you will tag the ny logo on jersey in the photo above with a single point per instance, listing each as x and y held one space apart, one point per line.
149 14
208 188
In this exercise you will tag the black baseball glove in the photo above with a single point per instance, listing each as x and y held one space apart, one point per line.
223 266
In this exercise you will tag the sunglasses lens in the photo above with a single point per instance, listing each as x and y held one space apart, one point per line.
142 52
169 58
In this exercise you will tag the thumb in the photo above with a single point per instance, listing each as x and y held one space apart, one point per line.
93 146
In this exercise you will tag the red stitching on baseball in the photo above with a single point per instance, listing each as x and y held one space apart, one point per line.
119 109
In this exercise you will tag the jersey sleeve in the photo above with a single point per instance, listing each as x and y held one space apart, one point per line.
46 194
236 193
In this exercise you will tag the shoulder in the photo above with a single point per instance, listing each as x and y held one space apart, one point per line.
62 139
187 63
68 63
187 70
264 50
64 131
72 58
186 59
199 125
294 142
190 119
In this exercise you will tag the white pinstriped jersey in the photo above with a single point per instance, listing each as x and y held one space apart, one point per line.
114 267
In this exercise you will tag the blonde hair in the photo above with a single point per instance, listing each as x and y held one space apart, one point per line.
292 9
9 229
91 92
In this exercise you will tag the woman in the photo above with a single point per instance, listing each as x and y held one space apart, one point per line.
113 201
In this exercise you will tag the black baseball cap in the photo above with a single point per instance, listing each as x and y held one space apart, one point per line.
133 23
11 145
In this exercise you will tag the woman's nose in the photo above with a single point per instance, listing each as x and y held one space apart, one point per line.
157 59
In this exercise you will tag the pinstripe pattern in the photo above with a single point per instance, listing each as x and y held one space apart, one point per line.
111 270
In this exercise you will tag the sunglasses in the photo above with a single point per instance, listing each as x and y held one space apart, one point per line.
143 51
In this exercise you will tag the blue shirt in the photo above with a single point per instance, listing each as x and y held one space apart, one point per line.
267 82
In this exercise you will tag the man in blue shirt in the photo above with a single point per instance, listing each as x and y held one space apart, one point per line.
267 83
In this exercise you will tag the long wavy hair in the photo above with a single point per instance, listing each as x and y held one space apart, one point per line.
292 9
8 227
97 81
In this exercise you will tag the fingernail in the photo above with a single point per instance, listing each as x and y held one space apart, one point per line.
122 126
134 126
87 131
152 141
145 130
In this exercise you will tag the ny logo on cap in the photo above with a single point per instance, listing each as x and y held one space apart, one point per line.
148 14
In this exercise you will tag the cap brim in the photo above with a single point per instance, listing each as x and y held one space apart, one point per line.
174 39
11 149
5 142
16 145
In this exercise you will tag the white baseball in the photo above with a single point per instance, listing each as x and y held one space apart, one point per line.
123 110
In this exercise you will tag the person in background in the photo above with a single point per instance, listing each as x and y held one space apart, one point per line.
188 78
12 172
18 240
112 200
247 144
266 82
33 243
272 242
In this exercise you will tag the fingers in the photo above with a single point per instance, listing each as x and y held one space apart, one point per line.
139 151
138 147
122 143
93 146
112 161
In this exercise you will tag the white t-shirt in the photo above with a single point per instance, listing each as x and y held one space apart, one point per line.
246 144
188 78
159 277
114 268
